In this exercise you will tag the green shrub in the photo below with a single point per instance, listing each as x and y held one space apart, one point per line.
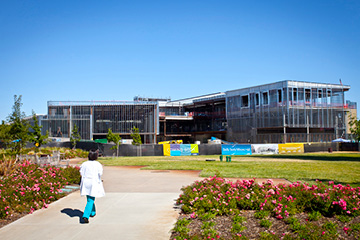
312 231
239 219
265 223
314 216
344 218
331 228
261 214
8 165
237 227
182 229
268 236
207 216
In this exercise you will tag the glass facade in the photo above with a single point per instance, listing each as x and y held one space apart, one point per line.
286 111
94 118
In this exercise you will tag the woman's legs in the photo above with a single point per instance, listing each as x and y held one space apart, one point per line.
90 207
93 211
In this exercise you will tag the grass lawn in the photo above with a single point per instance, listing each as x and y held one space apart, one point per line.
341 168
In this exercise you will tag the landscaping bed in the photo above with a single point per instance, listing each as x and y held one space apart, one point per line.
218 209
28 187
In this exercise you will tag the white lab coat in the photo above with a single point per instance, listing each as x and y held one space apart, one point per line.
91 183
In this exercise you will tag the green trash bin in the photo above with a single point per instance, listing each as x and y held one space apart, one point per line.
229 158
221 158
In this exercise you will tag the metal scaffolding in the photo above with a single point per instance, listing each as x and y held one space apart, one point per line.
286 111
94 118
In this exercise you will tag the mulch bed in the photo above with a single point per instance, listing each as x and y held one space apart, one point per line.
12 218
223 225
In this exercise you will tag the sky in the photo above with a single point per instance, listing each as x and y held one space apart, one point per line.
115 50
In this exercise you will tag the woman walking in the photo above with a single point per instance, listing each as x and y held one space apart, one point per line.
91 185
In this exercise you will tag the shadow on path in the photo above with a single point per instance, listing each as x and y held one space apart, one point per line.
73 213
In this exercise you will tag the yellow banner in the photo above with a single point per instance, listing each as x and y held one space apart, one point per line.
194 148
166 149
291 148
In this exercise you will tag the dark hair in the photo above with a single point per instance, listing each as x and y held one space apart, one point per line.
93 155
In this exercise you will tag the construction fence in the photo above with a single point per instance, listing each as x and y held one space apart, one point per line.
208 149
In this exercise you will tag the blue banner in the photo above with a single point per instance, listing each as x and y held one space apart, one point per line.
236 149
185 149
175 150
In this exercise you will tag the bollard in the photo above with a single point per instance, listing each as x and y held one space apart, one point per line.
221 158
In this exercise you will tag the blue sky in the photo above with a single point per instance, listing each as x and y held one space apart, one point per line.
115 50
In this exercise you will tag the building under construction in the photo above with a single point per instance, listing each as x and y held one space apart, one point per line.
285 111
94 118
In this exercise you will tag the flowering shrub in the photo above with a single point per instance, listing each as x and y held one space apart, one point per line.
31 187
223 197
68 153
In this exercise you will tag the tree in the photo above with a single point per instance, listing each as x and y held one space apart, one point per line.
75 136
136 136
355 127
5 137
115 138
19 128
35 136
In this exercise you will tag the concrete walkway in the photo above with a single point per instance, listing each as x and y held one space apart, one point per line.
139 204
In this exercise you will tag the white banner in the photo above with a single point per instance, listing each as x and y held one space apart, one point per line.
265 148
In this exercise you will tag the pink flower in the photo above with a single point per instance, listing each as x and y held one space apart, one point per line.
342 204
271 192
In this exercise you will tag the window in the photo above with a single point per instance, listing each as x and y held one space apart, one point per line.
307 96
279 96
265 98
295 94
328 98
245 101
257 99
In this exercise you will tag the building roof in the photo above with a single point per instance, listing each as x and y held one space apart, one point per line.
97 103
290 83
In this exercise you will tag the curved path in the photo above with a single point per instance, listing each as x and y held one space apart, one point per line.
139 204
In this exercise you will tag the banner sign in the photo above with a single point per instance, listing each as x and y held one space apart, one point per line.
166 150
291 148
265 148
185 150
175 150
180 149
236 149
194 149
